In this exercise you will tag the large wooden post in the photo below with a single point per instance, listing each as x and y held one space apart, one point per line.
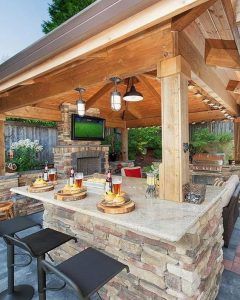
237 139
2 145
124 137
174 170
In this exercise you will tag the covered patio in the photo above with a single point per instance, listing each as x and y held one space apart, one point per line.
183 57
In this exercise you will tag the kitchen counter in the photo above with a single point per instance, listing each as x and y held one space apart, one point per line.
164 219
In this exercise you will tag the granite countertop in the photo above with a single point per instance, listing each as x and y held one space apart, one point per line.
161 218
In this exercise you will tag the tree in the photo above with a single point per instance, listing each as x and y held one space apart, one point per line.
61 10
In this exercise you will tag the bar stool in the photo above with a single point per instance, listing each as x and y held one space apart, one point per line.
37 245
6 210
86 272
11 227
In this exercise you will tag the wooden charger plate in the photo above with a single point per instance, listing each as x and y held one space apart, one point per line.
110 207
123 209
78 195
41 189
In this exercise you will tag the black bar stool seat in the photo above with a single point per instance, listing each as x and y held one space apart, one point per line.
44 241
17 224
38 244
87 271
11 227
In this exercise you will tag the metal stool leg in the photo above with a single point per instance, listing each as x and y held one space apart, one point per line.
20 292
41 279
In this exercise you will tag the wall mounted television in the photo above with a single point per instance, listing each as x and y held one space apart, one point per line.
87 128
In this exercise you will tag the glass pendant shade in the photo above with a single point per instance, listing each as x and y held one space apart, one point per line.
133 95
81 108
116 102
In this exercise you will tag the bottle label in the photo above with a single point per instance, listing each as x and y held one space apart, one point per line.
107 187
71 180
45 176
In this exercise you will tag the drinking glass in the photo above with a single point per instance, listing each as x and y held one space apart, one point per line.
79 179
52 175
117 182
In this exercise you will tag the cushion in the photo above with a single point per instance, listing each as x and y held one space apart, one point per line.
134 172
229 189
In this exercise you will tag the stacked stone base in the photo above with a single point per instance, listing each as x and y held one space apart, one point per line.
188 269
22 205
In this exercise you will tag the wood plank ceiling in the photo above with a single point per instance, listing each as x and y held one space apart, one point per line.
212 24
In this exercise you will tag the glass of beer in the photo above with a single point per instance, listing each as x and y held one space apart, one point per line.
52 175
79 179
116 183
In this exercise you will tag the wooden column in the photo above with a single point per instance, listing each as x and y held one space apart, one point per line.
2 146
174 170
237 139
124 136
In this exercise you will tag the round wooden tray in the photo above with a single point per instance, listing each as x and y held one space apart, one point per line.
126 208
47 188
70 197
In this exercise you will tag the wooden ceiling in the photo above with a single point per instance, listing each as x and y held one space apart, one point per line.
48 92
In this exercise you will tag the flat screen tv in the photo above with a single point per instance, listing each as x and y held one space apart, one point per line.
87 128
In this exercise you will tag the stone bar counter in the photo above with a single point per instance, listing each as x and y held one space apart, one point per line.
173 250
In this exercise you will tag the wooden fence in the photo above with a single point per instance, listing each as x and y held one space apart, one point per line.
216 127
47 136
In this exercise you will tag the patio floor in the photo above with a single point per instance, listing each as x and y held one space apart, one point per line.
229 289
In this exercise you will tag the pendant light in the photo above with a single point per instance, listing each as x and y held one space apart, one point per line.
132 95
80 103
116 99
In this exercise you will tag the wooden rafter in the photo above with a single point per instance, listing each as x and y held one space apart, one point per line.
183 20
106 88
193 117
29 112
205 76
222 53
232 21
147 84
150 47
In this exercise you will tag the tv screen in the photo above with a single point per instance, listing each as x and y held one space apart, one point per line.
87 128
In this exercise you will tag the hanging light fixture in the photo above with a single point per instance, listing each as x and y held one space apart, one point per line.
80 103
132 95
116 101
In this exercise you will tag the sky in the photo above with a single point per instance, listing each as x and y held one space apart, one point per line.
20 24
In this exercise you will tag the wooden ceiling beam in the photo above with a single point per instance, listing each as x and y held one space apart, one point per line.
147 84
106 88
155 14
222 53
193 117
204 76
186 18
152 46
38 113
227 5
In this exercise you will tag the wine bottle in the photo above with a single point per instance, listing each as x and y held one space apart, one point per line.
108 185
71 179
45 173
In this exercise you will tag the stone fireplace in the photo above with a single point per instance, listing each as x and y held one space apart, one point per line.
84 156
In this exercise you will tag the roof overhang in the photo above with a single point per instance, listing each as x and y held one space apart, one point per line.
101 24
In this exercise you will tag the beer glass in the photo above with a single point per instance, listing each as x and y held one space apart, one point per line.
79 179
116 183
52 175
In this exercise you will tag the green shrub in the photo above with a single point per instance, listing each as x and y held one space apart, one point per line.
25 154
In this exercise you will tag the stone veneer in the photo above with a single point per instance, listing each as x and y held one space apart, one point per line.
22 205
63 158
188 269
